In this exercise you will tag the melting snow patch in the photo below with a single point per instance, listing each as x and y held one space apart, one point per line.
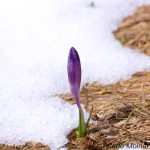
35 38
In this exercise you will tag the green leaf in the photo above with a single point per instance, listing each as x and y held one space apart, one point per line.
123 40
92 4
88 119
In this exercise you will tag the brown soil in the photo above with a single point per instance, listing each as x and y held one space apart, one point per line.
124 105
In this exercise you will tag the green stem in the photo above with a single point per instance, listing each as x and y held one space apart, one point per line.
81 122
82 125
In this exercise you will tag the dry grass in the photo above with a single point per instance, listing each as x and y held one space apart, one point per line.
109 99
125 105
27 146
134 31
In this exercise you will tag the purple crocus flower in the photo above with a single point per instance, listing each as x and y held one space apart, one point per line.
74 74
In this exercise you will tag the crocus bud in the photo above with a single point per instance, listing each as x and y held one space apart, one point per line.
74 74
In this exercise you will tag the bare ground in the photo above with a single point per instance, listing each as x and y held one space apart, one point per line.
124 105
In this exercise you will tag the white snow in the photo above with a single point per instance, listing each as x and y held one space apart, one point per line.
35 38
